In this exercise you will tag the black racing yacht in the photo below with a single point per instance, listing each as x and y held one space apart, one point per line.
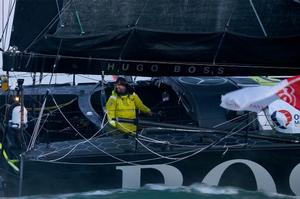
195 51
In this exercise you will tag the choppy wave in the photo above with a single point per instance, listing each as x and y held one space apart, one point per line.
151 191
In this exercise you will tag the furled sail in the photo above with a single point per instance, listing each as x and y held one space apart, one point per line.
156 37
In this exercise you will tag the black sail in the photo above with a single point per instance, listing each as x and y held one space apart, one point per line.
156 37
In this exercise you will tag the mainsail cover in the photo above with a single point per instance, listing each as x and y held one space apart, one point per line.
156 37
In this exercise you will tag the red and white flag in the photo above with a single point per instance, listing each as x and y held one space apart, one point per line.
259 97
291 92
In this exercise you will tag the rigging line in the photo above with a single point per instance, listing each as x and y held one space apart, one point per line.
87 77
44 155
159 62
49 108
65 155
36 127
73 149
71 125
228 121
112 163
145 139
232 124
4 31
50 112
75 145
33 119
136 161
258 18
61 149
196 152
153 152
150 140
140 14
29 59
103 119
132 30
49 25
269 120
56 60
116 163
223 36
212 144
42 126
58 11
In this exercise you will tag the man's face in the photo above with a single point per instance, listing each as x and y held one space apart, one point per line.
121 88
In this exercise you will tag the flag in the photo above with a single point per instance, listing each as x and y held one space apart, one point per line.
291 92
257 98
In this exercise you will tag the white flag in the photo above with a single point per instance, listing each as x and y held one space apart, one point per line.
259 97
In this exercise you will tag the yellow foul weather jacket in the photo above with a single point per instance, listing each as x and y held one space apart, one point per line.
124 107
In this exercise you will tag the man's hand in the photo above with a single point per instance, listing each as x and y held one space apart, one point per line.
113 123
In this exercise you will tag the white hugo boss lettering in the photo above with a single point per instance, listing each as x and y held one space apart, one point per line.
192 69
295 180
177 69
206 70
125 67
110 66
131 175
220 71
154 68
264 180
140 67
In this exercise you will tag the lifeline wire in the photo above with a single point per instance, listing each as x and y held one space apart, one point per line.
194 152
44 155
71 125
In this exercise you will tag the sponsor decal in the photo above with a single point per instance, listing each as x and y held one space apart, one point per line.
296 120
282 118
131 175
288 95
162 69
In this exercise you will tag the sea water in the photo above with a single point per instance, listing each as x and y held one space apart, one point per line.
196 191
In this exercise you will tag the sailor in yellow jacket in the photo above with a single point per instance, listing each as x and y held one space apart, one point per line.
124 103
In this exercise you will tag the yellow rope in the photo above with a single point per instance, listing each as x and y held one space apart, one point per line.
10 162
54 107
